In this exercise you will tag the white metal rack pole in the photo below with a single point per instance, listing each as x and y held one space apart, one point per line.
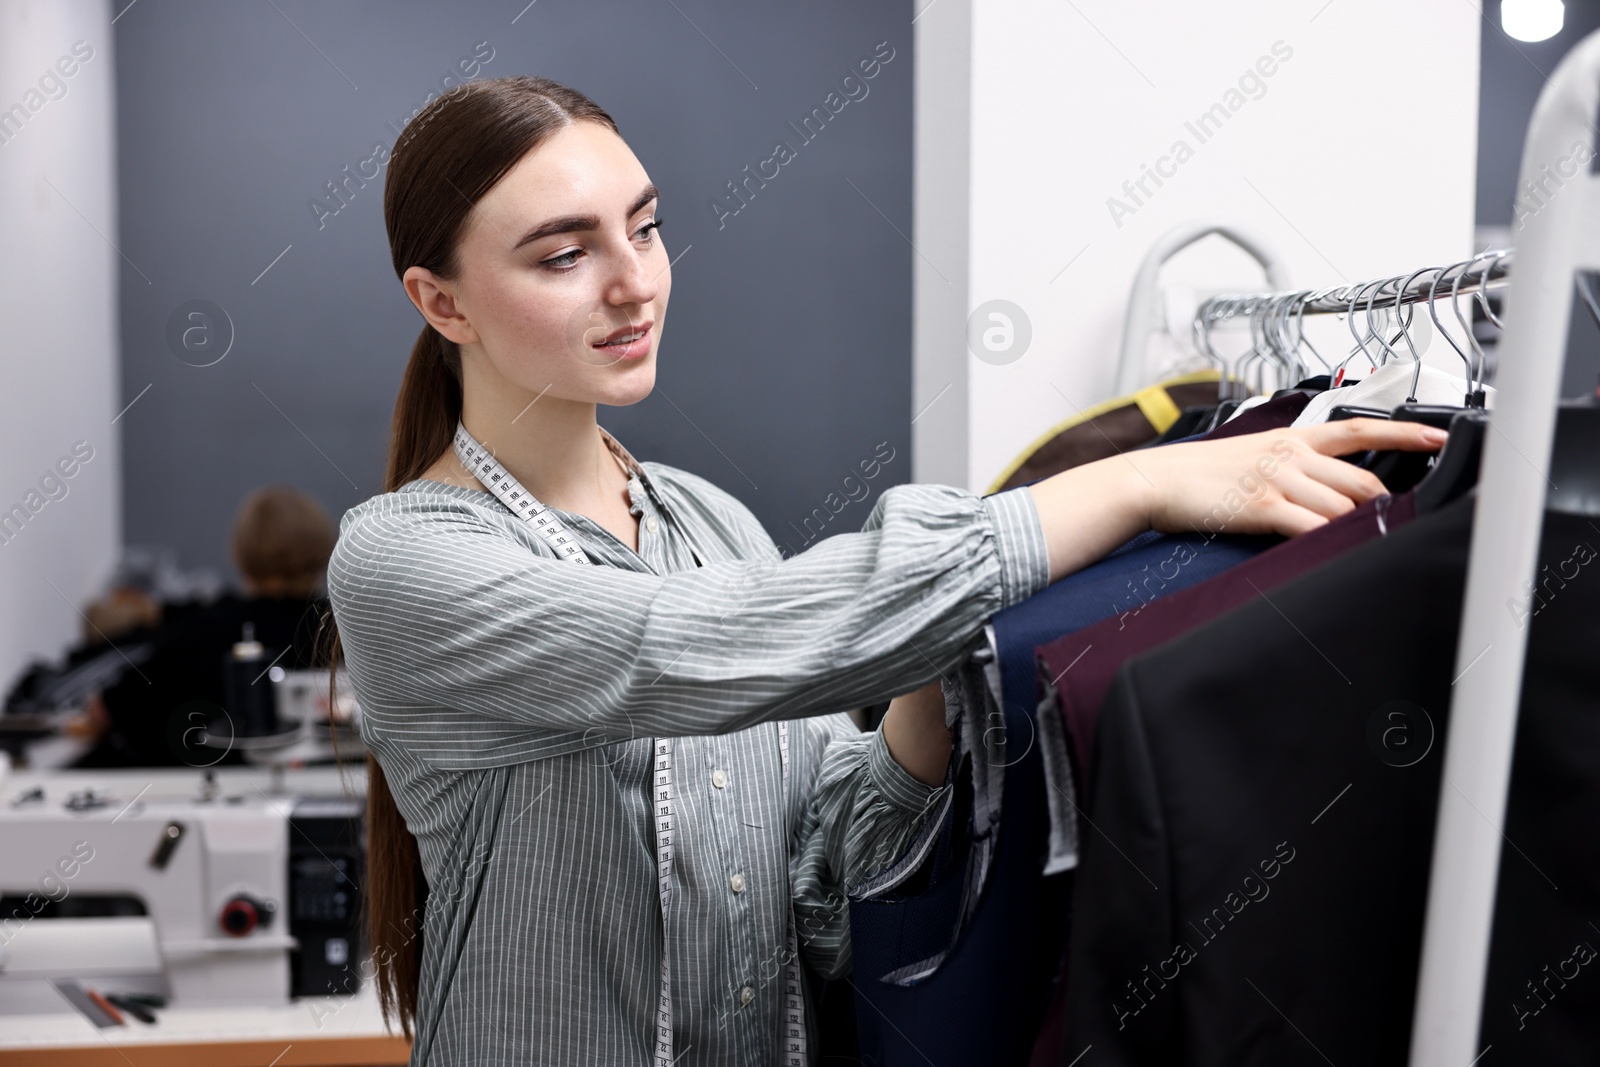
1560 235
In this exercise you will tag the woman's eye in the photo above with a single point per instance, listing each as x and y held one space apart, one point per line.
567 260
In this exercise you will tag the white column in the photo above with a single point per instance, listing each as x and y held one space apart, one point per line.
59 359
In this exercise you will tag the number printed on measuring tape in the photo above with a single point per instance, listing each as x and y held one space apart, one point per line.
495 478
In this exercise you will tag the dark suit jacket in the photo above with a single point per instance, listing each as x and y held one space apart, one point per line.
1253 882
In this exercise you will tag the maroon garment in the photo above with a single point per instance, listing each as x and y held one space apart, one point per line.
1080 666
1273 415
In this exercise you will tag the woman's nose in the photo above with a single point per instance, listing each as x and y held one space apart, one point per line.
637 277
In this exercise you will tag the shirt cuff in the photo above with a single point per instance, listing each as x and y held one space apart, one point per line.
1019 536
898 785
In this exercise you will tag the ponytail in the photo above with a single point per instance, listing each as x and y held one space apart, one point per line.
425 416
437 173
427 409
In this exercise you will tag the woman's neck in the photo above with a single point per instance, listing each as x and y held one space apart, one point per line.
552 446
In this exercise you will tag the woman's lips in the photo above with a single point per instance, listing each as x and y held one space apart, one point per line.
635 349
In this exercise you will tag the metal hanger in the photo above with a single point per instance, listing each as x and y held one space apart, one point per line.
1405 331
1433 313
1466 327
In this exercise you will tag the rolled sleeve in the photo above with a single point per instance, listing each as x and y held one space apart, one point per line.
863 812
897 785
1019 536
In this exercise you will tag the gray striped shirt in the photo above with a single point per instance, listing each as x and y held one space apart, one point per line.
511 699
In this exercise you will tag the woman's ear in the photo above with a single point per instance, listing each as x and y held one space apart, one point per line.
435 298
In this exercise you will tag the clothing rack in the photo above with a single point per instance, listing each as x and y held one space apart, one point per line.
1276 318
1560 236
1418 287
1277 332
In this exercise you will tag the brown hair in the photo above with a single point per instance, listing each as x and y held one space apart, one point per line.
448 156
282 536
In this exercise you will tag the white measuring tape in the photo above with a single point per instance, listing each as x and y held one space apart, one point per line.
488 470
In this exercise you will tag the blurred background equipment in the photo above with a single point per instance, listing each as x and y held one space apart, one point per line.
199 887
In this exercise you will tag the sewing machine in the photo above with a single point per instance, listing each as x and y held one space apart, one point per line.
246 881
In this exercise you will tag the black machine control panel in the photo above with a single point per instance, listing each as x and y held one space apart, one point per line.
327 844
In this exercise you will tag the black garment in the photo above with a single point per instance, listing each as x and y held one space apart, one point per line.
1254 869
1190 422
182 683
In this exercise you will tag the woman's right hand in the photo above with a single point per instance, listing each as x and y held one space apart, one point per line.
1283 481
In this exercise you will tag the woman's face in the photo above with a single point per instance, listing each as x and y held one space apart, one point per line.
560 255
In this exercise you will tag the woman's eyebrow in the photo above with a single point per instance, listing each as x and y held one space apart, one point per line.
577 223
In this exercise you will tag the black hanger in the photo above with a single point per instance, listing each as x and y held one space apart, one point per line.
1436 480
1398 470
1455 471
1340 412
1218 416
1574 461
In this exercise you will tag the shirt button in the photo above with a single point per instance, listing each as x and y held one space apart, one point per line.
719 778
746 995
737 881
650 524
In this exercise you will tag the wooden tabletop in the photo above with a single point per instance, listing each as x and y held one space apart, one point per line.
308 1052
310 1032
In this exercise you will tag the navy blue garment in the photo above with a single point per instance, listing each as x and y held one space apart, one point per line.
986 1001
1145 568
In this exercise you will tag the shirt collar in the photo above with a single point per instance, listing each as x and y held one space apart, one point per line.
634 468
629 464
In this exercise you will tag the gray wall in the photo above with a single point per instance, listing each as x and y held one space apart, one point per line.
1513 75
787 358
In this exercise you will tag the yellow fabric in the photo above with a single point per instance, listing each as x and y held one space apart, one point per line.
1152 401
1157 406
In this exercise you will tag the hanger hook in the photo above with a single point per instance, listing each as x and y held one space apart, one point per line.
1433 313
1405 331
1388 346
1310 297
1466 327
1350 321
1483 288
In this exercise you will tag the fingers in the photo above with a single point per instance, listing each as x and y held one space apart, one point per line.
1292 520
1357 483
1359 435
1312 487
1317 497
1285 481
1328 487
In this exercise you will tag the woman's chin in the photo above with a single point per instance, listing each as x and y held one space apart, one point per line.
628 385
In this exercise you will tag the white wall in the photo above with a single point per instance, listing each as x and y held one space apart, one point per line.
1354 158
58 300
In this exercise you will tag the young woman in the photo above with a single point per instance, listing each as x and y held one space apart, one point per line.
610 803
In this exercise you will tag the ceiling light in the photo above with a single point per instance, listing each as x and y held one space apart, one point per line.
1531 20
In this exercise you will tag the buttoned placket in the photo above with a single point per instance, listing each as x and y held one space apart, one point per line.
704 762
723 795
652 548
